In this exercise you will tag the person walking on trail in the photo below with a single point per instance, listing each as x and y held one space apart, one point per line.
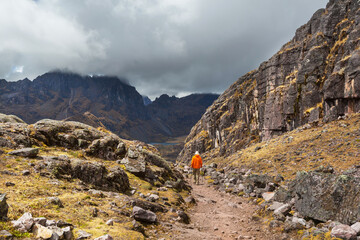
196 164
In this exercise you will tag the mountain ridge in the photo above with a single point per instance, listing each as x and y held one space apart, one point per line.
312 78
110 101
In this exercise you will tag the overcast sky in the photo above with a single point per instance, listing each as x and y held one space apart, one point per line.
161 46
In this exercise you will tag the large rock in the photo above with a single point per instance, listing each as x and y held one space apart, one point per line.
4 207
343 232
42 232
75 135
114 179
143 215
24 223
83 235
25 152
10 119
5 235
135 166
105 237
325 196
356 227
154 207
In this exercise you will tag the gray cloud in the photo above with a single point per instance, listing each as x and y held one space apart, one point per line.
161 46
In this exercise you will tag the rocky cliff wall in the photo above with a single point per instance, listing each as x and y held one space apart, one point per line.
314 77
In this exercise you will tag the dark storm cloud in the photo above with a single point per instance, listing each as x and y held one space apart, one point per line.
161 46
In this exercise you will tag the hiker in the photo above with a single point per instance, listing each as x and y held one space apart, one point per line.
196 164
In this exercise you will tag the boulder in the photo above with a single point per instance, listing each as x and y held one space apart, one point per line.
143 215
5 235
283 209
183 217
268 196
154 207
4 207
24 223
344 232
83 235
105 237
326 196
110 222
25 152
114 179
10 119
153 197
294 223
50 223
136 167
9 184
75 135
55 201
26 172
356 227
68 235
42 232
41 221
275 205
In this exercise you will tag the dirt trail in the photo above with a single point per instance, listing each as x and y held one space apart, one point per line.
222 216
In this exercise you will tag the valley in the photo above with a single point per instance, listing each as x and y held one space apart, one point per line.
89 157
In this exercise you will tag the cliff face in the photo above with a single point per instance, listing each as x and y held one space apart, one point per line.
102 101
314 77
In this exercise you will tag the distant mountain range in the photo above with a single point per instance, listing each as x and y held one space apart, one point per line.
102 101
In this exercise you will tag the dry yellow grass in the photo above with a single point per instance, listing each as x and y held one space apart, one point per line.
336 143
30 194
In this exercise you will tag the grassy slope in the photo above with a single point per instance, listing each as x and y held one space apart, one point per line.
30 194
336 143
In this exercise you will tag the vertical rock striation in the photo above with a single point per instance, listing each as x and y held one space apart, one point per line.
314 77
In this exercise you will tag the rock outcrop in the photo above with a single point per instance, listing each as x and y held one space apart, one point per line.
138 158
96 174
327 196
86 176
314 77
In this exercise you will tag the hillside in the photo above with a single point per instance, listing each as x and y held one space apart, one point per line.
314 78
103 101
68 180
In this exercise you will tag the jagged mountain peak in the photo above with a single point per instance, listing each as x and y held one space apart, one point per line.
112 102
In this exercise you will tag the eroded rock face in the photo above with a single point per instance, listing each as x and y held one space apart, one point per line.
326 196
314 77
75 135
93 173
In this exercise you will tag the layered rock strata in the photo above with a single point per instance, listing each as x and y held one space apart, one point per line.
314 77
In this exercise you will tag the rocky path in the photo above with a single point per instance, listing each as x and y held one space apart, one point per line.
221 216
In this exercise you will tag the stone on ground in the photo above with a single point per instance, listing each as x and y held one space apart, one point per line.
143 215
344 232
5 235
24 223
105 237
25 152
4 207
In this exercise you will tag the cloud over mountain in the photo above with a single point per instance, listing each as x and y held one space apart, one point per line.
177 46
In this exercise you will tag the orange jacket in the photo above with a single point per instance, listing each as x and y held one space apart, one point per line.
196 162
